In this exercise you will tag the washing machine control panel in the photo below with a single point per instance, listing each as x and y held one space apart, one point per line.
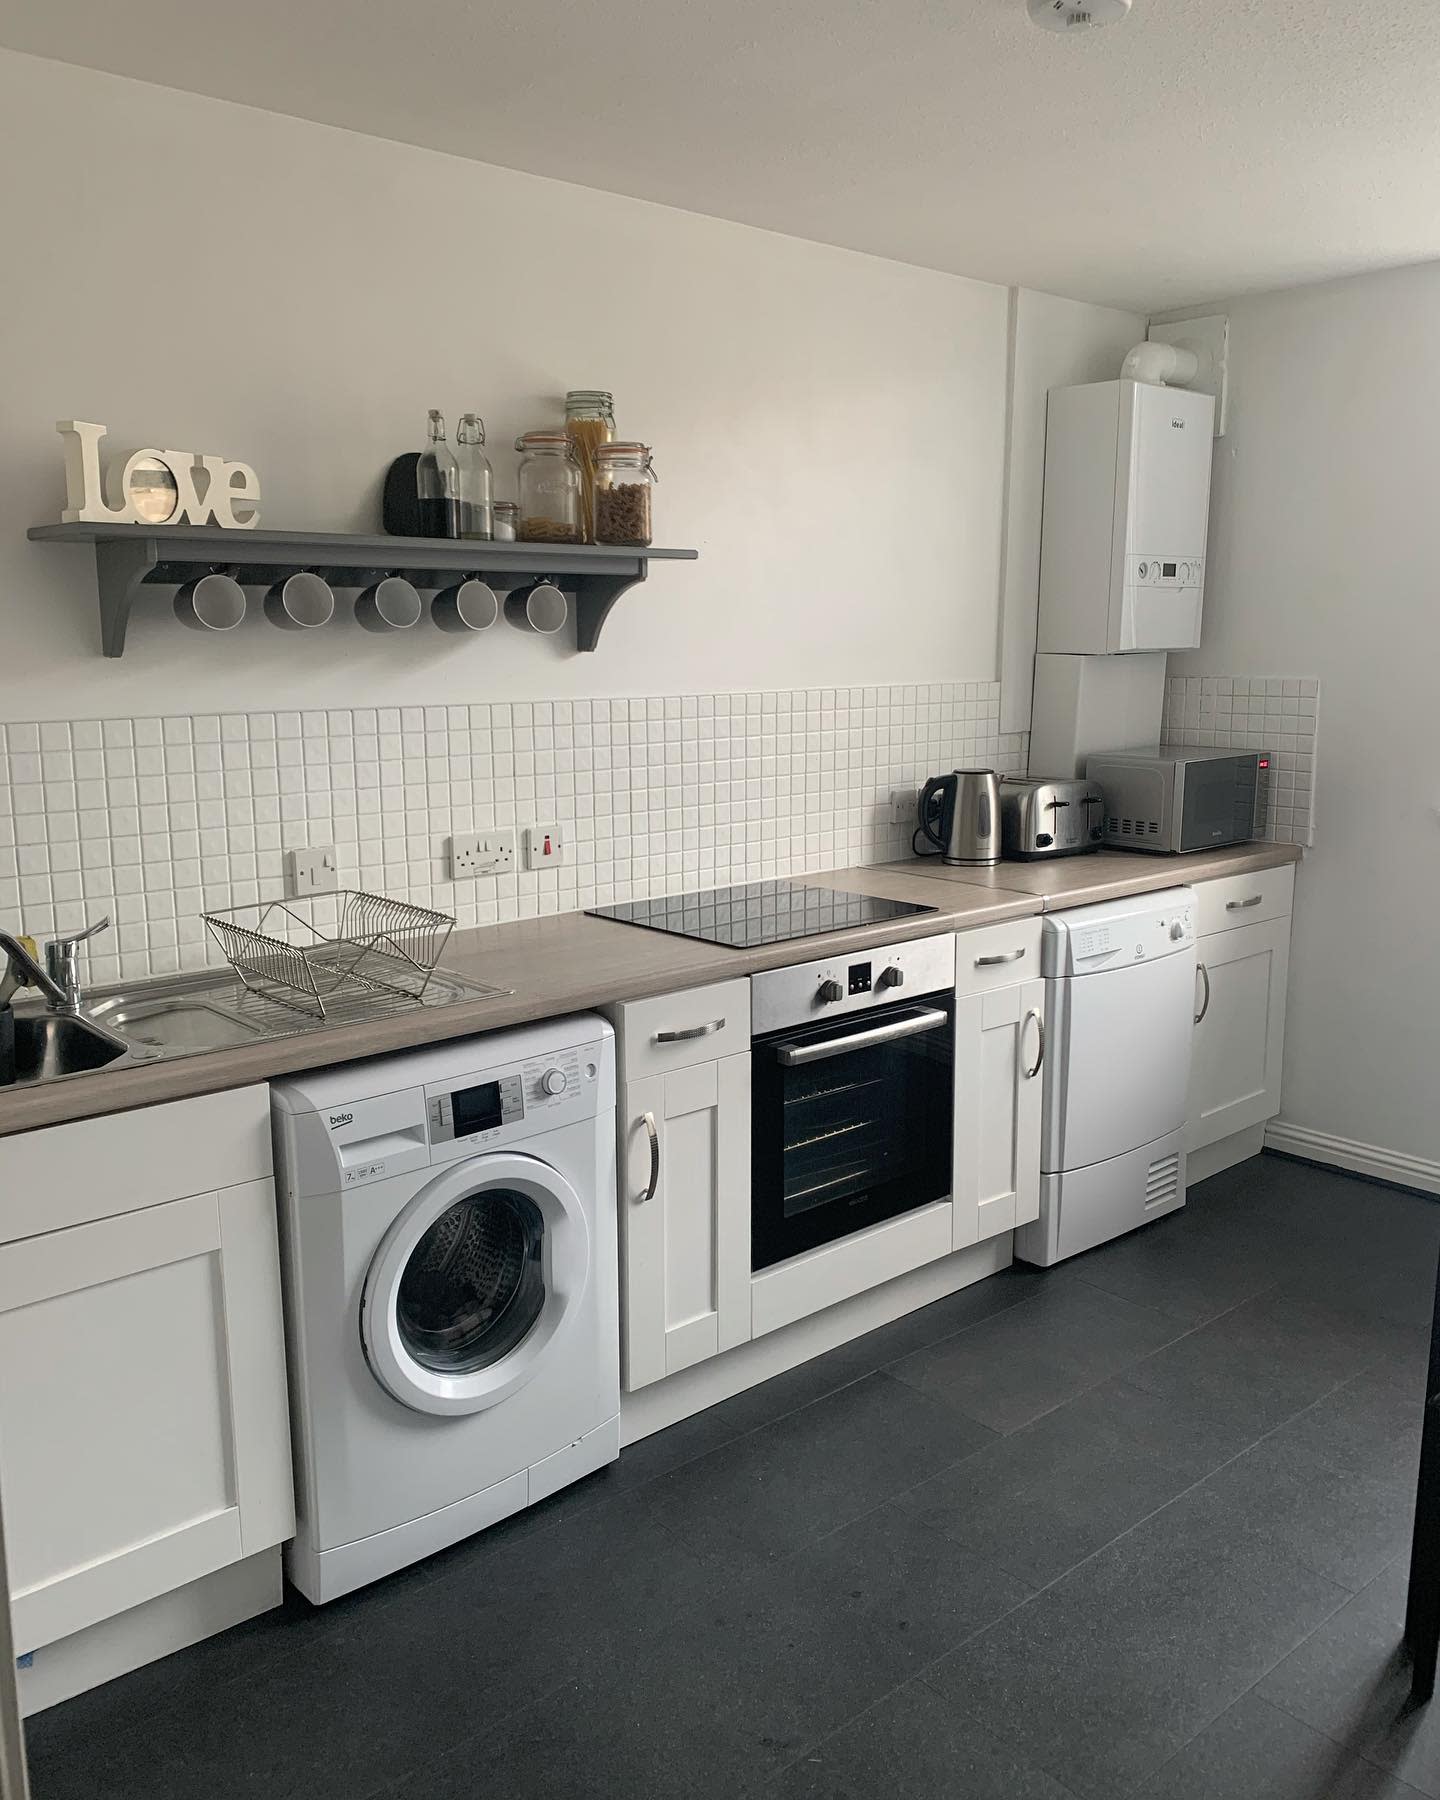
475 1110
495 1106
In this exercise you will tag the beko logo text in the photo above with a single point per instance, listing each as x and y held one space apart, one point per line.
1177 424
339 1119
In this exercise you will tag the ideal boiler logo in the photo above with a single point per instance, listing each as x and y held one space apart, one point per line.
339 1119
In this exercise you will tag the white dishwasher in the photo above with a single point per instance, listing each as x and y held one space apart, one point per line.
1120 996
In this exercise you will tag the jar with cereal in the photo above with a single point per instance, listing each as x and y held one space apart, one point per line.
624 489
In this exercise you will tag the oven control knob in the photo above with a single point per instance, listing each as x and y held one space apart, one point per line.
830 991
891 977
553 1081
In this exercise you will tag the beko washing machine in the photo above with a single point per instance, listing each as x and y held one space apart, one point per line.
448 1238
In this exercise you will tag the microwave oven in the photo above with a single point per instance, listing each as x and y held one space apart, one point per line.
1181 798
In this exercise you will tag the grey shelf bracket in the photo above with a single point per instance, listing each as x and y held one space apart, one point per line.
121 567
594 596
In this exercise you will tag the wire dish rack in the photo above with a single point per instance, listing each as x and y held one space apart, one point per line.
309 953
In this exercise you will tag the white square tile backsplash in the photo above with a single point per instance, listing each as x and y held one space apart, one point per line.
1276 713
157 820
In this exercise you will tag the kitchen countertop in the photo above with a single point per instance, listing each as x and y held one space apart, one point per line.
569 962
1086 880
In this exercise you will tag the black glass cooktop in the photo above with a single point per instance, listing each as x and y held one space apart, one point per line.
760 912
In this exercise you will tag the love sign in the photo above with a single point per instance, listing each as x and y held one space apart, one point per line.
154 487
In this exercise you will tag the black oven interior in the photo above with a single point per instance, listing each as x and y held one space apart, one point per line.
851 1124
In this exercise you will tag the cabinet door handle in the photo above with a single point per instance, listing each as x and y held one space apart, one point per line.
648 1121
1205 1004
1039 1019
1243 905
690 1031
989 962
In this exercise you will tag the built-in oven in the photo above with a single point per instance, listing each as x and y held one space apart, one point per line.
852 1104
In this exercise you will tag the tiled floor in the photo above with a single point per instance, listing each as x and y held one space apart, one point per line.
1137 1526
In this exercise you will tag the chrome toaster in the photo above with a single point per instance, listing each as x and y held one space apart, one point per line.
1049 818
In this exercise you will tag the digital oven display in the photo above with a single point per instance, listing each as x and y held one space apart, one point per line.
477 1108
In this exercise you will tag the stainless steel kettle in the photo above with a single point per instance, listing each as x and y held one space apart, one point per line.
960 815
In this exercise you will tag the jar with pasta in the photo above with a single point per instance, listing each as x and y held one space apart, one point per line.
624 487
551 489
589 423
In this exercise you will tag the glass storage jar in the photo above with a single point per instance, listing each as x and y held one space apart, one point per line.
589 423
551 489
624 488
507 521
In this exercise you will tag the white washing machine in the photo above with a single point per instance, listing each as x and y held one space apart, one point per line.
1119 1008
448 1237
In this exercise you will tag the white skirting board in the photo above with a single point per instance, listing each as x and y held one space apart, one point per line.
145 1633
666 1402
1359 1159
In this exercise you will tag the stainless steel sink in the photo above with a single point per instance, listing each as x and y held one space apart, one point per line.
185 1015
49 1045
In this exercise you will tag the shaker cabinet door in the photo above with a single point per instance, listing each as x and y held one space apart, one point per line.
143 1417
1239 1032
999 1079
685 1217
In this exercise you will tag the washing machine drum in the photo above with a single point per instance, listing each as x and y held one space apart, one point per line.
473 1283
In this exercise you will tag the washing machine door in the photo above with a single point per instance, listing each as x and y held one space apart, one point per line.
474 1282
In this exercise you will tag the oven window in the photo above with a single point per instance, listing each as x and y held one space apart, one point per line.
844 1137
1219 806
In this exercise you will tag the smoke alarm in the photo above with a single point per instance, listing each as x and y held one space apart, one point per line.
1073 15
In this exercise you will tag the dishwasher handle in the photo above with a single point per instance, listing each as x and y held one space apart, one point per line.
794 1056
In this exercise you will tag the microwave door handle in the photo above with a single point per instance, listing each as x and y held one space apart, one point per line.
795 1056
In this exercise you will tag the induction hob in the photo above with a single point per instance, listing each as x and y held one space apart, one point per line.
760 912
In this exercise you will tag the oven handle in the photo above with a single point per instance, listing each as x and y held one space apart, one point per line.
792 1056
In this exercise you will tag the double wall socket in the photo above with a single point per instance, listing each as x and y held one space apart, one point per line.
481 853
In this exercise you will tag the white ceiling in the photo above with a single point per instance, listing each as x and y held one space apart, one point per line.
1202 148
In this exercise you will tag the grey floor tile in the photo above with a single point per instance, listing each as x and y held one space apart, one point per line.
1335 1486
663 1451
772 1491
912 1743
1101 1678
1045 1497
1268 1359
788 1392
885 1580
1351 1681
1009 1370
1183 1265
955 1313
1253 1751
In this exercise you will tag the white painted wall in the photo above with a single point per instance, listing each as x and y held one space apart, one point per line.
1324 559
829 427
1055 343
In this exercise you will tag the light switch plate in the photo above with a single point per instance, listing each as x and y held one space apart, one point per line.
544 846
475 853
312 869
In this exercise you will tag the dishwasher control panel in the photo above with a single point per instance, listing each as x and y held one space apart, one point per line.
1120 932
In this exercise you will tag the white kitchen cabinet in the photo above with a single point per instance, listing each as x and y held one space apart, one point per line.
999 1081
684 1122
143 1415
1239 1039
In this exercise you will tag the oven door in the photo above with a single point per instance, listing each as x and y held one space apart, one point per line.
851 1124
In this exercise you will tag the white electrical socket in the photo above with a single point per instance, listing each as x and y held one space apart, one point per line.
312 870
544 846
903 802
475 853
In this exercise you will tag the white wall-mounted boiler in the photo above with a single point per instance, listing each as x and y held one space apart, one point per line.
1127 505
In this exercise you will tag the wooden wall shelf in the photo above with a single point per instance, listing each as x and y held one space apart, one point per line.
131 557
